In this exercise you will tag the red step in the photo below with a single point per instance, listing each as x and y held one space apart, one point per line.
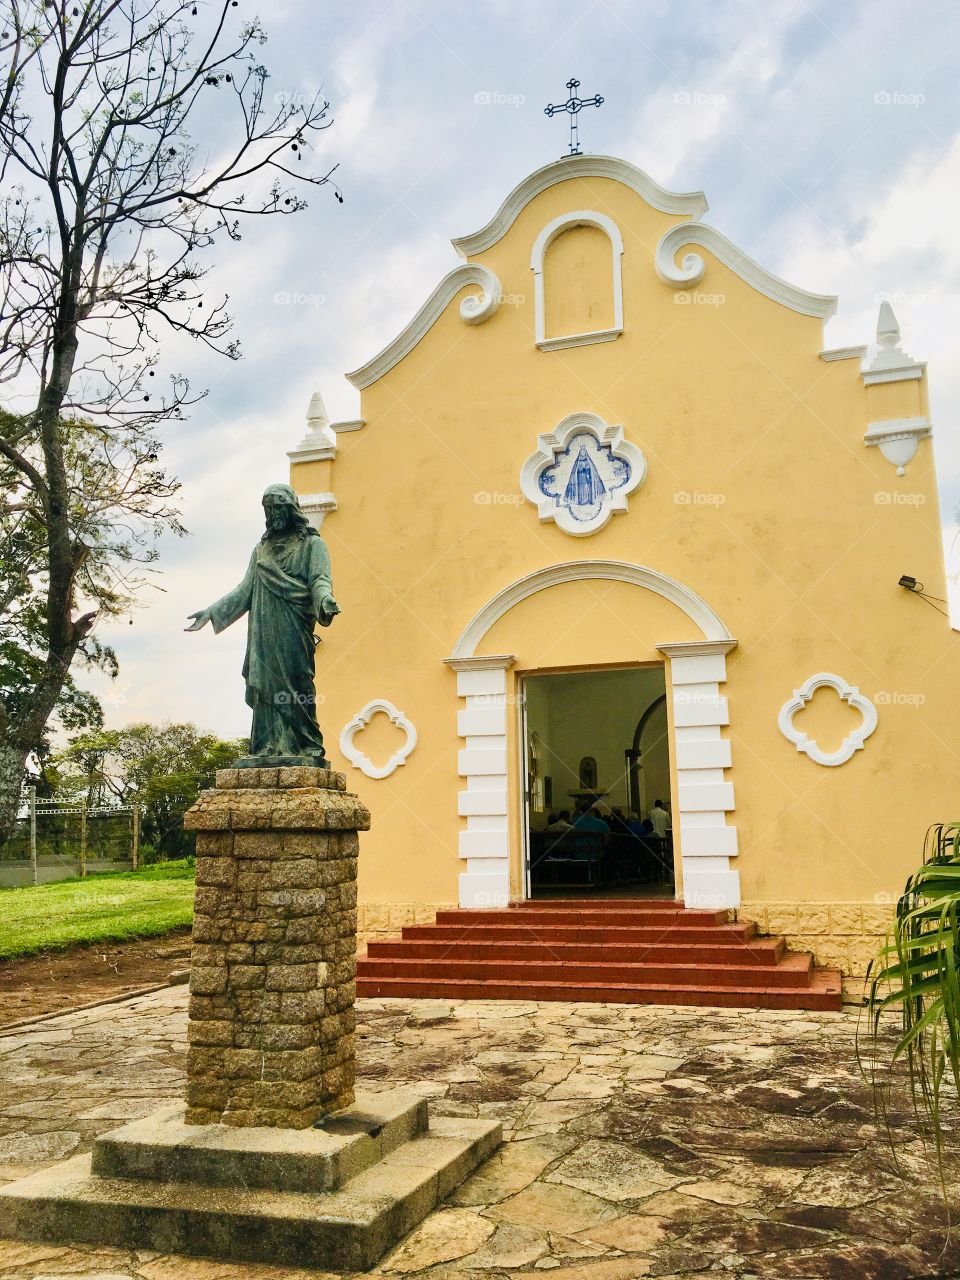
601 904
631 951
607 917
794 971
822 994
639 936
759 951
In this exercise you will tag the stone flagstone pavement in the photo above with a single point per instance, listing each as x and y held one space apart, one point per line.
640 1141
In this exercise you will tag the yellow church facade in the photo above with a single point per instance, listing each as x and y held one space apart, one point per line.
613 522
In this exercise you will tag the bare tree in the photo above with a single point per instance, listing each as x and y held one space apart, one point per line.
110 203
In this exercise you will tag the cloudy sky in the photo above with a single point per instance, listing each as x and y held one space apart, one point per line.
826 138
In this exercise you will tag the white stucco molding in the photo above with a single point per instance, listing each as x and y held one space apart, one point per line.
474 309
316 505
553 443
355 424
898 438
843 353
692 269
587 339
697 648
483 662
690 204
313 449
554 228
552 575
360 721
850 694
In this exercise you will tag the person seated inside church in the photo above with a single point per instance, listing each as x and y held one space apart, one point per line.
618 822
638 828
560 822
660 819
587 819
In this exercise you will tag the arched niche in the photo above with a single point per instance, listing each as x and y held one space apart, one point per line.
608 289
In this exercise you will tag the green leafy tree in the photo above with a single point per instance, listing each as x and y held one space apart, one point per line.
161 768
23 631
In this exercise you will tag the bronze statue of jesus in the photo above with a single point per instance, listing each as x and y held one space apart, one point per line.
285 592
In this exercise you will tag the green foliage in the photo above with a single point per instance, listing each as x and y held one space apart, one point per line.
161 768
21 665
103 908
149 855
917 978
119 504
23 582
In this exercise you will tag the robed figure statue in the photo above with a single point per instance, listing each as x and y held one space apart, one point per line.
285 592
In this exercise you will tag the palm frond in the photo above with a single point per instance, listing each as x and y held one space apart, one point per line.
916 976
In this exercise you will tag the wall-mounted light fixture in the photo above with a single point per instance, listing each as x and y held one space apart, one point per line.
910 583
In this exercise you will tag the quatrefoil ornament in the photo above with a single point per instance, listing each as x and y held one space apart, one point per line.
360 721
581 473
850 694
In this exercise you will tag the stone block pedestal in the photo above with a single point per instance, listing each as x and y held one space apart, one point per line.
272 985
273 1157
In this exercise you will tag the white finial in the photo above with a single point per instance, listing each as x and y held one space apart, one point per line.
890 363
319 443
888 329
317 416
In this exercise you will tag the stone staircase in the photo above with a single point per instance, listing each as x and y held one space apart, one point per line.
614 950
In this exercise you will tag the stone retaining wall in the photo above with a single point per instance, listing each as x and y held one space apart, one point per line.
841 935
379 920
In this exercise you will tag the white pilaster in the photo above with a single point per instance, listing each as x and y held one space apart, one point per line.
707 841
482 723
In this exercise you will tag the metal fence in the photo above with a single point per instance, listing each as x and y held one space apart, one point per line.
53 841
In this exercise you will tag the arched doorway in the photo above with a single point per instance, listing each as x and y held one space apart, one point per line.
490 844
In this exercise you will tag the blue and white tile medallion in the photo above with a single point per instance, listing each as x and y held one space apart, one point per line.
582 473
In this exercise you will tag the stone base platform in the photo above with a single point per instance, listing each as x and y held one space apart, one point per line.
318 761
336 1196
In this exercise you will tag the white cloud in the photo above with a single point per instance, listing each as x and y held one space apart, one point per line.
903 249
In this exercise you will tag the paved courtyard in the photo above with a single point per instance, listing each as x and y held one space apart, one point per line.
640 1141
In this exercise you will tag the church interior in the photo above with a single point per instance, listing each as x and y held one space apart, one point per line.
597 753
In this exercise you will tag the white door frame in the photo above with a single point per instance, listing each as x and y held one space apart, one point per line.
523 755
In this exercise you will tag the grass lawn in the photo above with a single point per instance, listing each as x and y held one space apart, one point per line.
102 908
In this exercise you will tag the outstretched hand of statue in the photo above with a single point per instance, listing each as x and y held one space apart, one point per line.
200 620
327 611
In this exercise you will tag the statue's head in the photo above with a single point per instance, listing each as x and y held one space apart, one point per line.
281 509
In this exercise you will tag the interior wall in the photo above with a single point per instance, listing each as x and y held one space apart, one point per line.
595 713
